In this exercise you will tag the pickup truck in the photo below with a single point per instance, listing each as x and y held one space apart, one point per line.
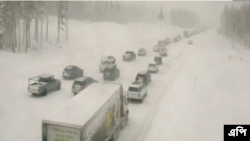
107 62
41 85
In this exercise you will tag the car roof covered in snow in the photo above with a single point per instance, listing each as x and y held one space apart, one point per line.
142 72
46 75
129 52
152 64
82 78
79 109
70 67
136 84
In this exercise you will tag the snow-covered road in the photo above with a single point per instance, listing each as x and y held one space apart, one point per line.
211 90
21 113
193 93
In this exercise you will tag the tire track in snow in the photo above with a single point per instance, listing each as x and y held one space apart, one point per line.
147 123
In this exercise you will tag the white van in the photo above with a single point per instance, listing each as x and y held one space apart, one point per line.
137 91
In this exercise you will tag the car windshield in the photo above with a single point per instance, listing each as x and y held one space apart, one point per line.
140 76
107 62
133 89
81 83
42 79
129 52
157 59
151 65
108 70
68 68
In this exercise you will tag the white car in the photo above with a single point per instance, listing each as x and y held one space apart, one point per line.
137 91
163 52
190 42
142 52
107 62
157 47
153 68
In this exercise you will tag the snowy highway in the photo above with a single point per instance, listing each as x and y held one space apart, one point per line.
182 97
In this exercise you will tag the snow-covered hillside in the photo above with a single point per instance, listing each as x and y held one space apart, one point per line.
199 87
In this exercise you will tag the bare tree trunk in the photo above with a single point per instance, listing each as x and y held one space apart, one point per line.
41 32
35 37
27 41
58 29
24 30
66 30
15 34
47 27
37 31
66 17
29 32
19 50
47 21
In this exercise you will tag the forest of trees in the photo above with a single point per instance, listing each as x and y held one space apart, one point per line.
235 23
114 11
17 14
23 17
183 18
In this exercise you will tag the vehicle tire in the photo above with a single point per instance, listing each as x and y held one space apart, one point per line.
58 87
142 100
44 92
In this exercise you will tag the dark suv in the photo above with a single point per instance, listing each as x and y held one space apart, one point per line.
144 77
111 73
129 56
81 83
72 72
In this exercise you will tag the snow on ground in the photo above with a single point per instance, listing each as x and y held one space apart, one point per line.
210 90
199 87
21 113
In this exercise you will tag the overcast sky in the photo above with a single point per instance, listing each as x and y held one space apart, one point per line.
209 11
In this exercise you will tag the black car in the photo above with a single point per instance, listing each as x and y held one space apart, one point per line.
72 72
111 73
129 56
81 83
144 77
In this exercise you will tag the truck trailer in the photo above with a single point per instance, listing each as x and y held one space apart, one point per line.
95 114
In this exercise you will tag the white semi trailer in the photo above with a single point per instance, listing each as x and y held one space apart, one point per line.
95 114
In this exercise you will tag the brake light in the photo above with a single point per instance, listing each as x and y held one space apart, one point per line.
145 79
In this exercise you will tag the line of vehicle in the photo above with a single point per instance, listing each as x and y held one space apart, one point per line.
147 123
